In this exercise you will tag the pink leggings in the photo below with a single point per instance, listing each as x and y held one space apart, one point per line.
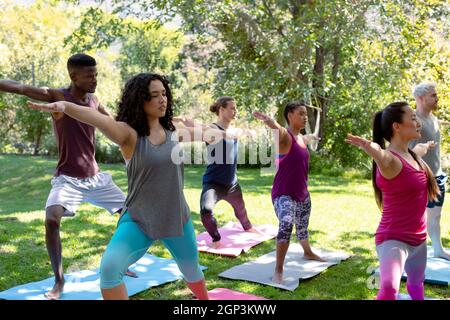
396 257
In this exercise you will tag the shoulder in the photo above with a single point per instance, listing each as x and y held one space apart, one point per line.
391 166
285 135
96 101
57 94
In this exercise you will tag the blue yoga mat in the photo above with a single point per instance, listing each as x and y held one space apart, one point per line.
85 285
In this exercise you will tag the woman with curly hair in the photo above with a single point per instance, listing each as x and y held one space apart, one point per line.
155 207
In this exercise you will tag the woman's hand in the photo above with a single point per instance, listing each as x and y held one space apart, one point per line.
357 141
48 107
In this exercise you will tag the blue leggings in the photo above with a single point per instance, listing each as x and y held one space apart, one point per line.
129 244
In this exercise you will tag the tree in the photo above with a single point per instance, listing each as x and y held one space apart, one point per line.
34 54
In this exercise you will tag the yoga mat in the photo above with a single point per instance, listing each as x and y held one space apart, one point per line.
227 294
295 267
85 285
437 270
402 296
234 240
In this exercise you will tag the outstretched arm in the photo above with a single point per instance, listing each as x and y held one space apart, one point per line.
202 133
41 94
385 161
118 132
421 149
182 121
272 124
309 138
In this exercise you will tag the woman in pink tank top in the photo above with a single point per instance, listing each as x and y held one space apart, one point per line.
403 183
290 194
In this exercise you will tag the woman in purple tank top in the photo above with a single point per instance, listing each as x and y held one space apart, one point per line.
403 183
290 194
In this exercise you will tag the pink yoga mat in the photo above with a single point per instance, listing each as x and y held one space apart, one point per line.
227 294
234 240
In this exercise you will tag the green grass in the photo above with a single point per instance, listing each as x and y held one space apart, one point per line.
344 217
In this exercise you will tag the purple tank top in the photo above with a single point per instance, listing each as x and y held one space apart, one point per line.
76 143
291 178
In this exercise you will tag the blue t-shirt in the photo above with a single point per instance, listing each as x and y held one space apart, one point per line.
222 162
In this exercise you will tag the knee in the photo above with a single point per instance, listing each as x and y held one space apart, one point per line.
53 218
111 273
191 271
415 279
206 212
284 231
284 235
388 291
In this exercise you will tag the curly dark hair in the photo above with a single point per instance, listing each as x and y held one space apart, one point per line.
131 105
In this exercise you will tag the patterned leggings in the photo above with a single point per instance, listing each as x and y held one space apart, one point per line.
290 212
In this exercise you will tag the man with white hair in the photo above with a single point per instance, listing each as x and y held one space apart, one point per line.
427 103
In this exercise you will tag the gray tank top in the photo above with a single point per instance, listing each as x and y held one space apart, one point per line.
155 198
430 131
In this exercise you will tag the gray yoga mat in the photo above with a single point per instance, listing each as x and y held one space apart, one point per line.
295 267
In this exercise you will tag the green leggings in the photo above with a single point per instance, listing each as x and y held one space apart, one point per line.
129 244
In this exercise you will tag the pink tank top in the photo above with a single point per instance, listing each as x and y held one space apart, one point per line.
76 143
291 178
405 199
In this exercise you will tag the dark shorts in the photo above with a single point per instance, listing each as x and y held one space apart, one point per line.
440 180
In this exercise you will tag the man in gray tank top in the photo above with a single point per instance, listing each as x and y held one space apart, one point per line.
427 103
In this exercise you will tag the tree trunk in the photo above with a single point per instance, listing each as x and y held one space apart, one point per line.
318 99
37 142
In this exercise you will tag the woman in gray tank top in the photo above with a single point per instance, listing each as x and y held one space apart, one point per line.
155 207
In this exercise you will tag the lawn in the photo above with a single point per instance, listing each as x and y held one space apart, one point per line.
344 217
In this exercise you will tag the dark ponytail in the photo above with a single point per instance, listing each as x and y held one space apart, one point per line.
220 103
382 130
432 187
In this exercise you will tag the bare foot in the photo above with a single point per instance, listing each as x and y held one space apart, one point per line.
277 277
56 292
214 244
131 274
254 230
313 256
442 254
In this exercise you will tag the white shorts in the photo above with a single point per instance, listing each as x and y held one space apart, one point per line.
99 190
